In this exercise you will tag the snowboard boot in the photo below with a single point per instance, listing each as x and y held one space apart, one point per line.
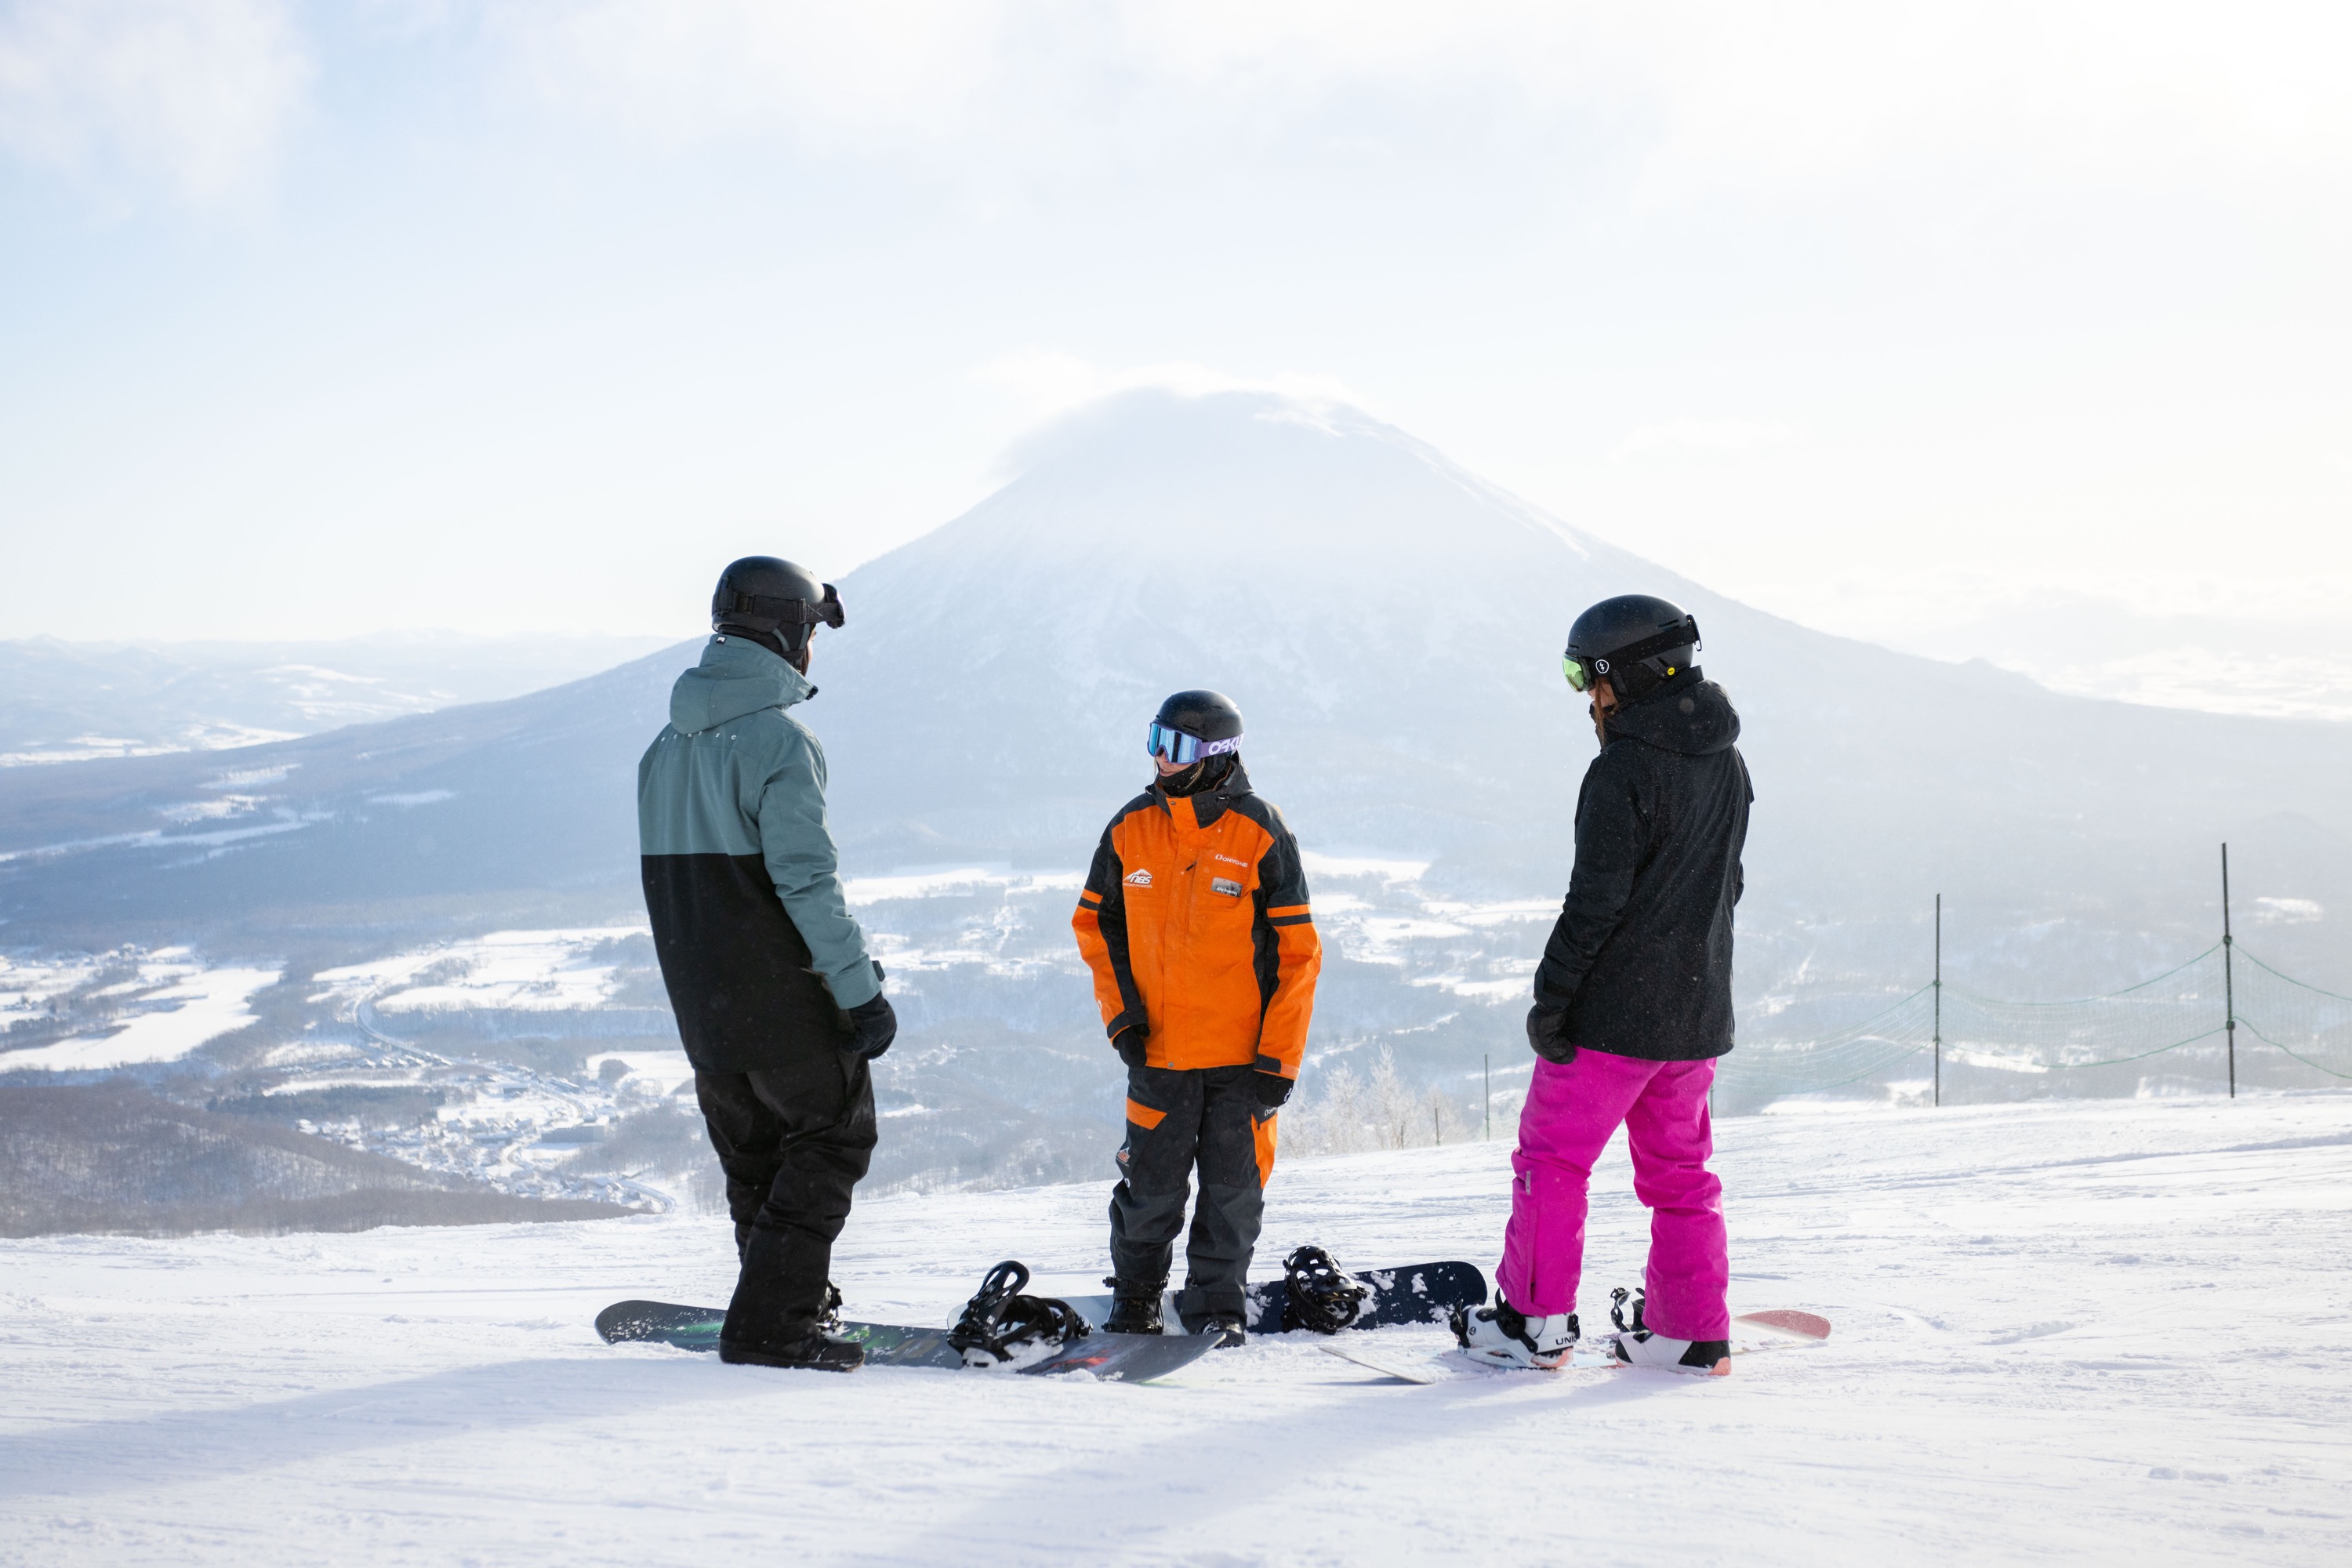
1638 1345
1227 1328
1318 1294
812 1351
1502 1335
1135 1306
1003 1328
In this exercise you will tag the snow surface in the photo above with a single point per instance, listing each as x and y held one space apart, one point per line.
2102 1330
190 1004
525 971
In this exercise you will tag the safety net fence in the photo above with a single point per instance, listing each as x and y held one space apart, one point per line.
2169 1034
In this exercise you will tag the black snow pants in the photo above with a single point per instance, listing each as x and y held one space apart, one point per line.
1175 1120
792 1140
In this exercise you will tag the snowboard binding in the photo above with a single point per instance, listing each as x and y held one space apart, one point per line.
1003 1328
1638 1345
1320 1295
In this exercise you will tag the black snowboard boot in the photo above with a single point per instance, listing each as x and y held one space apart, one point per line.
812 1351
1226 1327
1135 1306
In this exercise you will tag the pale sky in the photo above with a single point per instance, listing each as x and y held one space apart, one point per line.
320 319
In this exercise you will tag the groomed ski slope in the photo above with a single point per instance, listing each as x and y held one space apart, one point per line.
2110 1331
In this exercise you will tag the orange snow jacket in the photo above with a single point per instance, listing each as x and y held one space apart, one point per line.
1195 920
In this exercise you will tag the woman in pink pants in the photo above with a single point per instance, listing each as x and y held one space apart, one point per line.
1633 1004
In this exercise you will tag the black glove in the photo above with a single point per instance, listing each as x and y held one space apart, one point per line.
877 1026
1128 1043
1547 1033
1273 1088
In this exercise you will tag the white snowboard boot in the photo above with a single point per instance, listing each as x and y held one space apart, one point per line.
1639 1346
1502 1335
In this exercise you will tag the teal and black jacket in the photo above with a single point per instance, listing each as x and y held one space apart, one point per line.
742 882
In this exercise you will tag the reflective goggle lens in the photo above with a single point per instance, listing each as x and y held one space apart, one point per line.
1178 748
1184 749
1579 678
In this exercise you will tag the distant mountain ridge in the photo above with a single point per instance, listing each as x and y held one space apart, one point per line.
1391 626
73 701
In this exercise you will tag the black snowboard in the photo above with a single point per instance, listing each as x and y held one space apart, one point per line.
1114 1358
1421 1293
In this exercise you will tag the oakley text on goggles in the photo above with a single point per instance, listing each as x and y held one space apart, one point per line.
1185 750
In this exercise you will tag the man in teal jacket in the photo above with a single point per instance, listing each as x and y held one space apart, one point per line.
778 1003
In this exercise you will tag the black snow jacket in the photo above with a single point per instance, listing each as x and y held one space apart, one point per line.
1640 957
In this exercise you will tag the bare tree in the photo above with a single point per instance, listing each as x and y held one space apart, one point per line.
1395 1110
1342 1112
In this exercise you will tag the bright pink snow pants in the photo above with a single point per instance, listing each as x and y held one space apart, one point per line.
1569 1114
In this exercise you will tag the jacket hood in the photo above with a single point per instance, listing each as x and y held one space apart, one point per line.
1689 714
735 677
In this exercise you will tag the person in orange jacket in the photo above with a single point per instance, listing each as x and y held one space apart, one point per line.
1195 922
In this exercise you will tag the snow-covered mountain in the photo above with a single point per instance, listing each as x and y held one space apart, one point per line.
1391 626
71 701
1390 623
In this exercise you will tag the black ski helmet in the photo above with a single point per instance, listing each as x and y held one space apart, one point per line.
761 596
1203 715
1634 641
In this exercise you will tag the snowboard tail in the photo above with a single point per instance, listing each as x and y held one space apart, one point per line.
1113 1358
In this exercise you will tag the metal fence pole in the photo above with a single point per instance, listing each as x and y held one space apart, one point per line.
2229 980
1939 999
1489 1133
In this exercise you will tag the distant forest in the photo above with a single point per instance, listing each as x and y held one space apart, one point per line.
113 1157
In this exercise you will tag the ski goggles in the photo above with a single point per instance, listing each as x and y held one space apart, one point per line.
1584 674
826 611
1184 749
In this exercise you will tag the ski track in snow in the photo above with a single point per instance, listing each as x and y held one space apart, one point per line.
2036 1358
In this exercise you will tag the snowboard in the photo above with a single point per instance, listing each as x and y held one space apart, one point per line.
1420 1293
1776 1329
1113 1358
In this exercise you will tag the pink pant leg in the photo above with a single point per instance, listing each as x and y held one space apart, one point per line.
1566 1122
1671 1138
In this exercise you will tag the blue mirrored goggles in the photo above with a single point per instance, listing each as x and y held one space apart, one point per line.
1185 750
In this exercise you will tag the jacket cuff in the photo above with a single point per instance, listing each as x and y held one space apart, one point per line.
855 986
1124 1021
